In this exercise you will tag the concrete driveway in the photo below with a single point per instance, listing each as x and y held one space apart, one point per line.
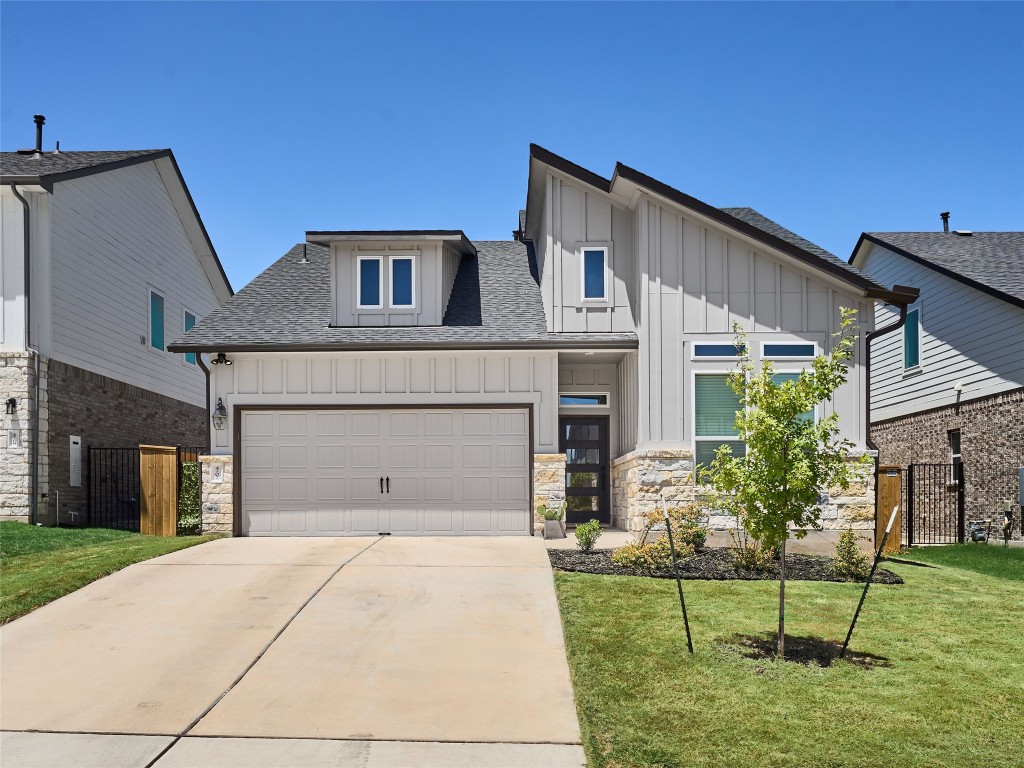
286 652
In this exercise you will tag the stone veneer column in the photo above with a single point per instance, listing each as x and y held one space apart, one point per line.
639 478
17 380
548 483
218 498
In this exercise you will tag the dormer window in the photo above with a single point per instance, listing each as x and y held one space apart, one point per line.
402 281
370 289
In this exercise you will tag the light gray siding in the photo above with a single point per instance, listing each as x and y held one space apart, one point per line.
390 379
629 415
575 216
967 337
114 237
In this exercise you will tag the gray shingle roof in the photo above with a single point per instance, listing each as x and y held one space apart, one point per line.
50 163
495 302
989 260
762 222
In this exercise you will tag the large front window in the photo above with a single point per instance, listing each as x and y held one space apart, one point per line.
715 408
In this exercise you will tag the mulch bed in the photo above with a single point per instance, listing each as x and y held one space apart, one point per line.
712 564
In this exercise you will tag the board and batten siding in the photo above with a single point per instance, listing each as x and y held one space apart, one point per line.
967 337
575 216
697 282
439 379
114 237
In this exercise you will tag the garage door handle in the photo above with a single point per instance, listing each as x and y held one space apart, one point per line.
388 481
382 485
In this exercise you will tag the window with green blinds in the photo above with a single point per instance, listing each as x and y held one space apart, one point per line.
779 378
716 405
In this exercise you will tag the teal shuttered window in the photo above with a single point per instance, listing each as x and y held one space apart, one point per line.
156 321
912 339
189 324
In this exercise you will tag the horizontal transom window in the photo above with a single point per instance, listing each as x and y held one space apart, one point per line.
788 350
717 350
583 400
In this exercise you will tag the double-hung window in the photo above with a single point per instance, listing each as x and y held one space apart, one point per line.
715 408
594 274
912 340
370 284
187 325
156 321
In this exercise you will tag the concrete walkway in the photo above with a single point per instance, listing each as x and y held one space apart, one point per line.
281 652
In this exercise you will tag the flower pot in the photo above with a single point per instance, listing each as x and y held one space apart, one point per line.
554 529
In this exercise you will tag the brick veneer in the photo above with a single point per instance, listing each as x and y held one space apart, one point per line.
109 414
991 444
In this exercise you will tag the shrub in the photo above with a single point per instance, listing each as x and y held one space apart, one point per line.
747 553
688 529
653 557
190 503
551 514
849 561
586 534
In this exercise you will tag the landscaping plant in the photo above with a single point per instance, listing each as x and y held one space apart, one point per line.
551 514
190 499
586 534
849 560
688 531
790 459
747 554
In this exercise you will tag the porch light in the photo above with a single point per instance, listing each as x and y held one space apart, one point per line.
220 359
220 415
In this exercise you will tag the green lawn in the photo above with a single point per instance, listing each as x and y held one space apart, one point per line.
38 565
990 559
950 694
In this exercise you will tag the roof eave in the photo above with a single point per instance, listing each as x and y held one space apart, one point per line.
576 343
454 236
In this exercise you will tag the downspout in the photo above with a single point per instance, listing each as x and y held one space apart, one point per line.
206 373
33 448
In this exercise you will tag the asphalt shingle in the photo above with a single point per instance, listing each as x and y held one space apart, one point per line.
50 163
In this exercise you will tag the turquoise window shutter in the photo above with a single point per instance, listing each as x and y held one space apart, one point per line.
912 339
190 321
156 321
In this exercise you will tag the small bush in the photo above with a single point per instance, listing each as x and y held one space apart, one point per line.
849 561
747 553
587 534
190 515
688 529
653 557
551 514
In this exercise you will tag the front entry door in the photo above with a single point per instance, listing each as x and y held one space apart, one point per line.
584 441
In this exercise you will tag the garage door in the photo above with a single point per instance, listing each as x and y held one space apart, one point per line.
405 472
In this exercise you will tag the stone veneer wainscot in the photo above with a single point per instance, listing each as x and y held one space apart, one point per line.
548 484
218 498
17 380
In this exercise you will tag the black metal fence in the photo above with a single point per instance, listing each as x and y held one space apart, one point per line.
114 488
933 504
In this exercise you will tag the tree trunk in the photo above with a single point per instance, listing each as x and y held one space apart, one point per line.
781 648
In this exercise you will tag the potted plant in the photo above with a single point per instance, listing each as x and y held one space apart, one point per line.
554 521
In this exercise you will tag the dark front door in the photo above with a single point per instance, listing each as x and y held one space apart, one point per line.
584 441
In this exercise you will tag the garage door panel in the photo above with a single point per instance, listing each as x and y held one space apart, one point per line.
450 471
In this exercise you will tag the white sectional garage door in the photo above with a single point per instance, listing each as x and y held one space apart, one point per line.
450 472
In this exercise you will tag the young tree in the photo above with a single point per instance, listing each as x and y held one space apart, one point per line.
790 458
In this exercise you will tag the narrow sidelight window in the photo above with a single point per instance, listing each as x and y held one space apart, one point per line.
370 281
595 283
188 325
715 408
156 321
912 339
402 293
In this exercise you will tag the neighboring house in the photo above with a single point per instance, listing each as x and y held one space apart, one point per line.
104 260
950 386
417 382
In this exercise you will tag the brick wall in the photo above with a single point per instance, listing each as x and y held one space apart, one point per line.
107 413
991 444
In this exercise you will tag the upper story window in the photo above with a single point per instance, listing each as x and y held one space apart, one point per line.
156 321
594 267
402 282
370 282
187 325
912 340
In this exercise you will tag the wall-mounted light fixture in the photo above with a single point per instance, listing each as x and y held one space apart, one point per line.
220 415
11 406
220 359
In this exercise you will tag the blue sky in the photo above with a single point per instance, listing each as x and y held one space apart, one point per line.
831 118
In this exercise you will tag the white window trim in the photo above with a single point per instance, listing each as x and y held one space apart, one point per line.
391 281
913 369
711 358
150 293
813 344
359 280
606 395
593 300
184 361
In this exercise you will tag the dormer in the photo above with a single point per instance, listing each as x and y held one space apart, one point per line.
400 278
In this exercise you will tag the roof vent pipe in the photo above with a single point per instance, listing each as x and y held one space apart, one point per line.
945 220
39 120
304 259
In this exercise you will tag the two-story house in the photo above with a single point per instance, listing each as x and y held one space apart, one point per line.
104 260
949 388
418 382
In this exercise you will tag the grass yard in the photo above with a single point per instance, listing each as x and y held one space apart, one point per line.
951 692
38 565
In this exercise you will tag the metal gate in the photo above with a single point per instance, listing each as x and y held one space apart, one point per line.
934 509
114 489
